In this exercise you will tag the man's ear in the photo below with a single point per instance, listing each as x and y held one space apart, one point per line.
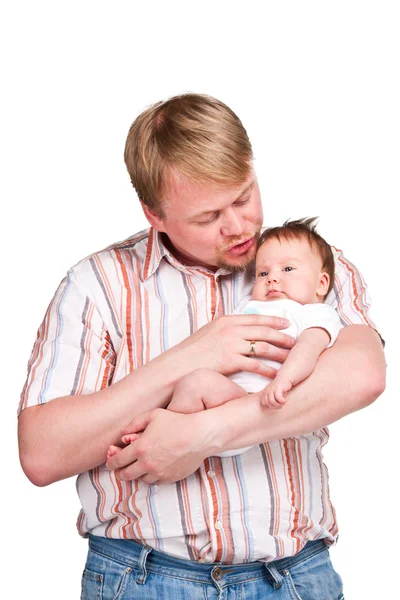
153 218
323 284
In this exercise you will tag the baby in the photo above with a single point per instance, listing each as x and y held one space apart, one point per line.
294 274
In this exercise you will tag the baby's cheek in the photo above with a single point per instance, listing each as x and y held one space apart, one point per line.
258 291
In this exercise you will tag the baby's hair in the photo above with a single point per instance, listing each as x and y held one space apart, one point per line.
300 229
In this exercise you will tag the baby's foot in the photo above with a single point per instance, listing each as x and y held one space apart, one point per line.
126 439
112 451
129 438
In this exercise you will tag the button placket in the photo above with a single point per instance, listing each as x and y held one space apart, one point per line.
218 525
210 479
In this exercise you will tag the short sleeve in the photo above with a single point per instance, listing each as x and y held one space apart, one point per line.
349 295
73 353
323 316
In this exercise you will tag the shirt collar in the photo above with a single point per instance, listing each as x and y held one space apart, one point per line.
155 252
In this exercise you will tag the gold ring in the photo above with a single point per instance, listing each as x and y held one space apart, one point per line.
252 348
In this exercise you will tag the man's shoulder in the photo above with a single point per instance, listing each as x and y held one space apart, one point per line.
114 253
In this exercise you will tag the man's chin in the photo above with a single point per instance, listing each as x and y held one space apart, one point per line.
237 266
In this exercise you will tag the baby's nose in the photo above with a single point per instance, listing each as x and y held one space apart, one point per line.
273 278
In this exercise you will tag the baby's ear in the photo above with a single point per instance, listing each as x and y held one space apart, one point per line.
323 284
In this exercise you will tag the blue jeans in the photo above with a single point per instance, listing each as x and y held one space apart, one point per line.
126 570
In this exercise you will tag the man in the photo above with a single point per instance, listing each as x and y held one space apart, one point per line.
128 323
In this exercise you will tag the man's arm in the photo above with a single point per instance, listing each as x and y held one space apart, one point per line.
71 434
349 376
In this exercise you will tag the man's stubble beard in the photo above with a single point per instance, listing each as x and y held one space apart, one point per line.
248 261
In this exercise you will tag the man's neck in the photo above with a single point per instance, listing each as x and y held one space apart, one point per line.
186 261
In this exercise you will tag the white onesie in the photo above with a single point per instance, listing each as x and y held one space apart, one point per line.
301 317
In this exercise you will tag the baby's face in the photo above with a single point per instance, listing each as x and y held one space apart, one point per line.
289 269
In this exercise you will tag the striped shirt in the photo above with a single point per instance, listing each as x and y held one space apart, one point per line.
118 309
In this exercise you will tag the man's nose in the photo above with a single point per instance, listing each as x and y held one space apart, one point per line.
232 224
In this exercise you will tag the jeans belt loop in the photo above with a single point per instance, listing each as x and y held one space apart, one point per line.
274 577
142 564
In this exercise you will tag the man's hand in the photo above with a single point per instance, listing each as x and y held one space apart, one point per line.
170 448
172 445
224 344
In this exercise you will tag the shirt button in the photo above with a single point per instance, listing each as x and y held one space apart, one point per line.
211 473
218 525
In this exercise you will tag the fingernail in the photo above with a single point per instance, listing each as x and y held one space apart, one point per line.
285 323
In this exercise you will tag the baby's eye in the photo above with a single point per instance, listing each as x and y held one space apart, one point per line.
263 274
287 269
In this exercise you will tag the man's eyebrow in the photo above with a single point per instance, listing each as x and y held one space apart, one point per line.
213 210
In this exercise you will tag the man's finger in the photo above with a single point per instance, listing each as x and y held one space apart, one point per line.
131 472
266 334
149 478
258 320
138 424
264 350
256 366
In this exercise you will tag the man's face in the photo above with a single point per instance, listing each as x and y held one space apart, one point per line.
289 269
211 226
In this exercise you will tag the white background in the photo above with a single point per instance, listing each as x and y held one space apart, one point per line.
316 84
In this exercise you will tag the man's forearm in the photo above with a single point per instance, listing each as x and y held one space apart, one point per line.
71 434
348 377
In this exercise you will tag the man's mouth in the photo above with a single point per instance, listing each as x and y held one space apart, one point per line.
243 247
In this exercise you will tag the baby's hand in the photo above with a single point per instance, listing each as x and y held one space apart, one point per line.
126 439
274 395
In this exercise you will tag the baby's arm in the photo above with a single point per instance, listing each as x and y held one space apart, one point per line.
198 390
299 364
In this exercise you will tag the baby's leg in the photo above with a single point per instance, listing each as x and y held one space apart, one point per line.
199 390
202 389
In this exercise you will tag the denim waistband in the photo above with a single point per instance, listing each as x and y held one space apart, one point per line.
145 559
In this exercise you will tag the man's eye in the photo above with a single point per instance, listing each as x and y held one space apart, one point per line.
241 202
288 269
210 220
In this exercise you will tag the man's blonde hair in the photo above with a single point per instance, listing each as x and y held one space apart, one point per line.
195 134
